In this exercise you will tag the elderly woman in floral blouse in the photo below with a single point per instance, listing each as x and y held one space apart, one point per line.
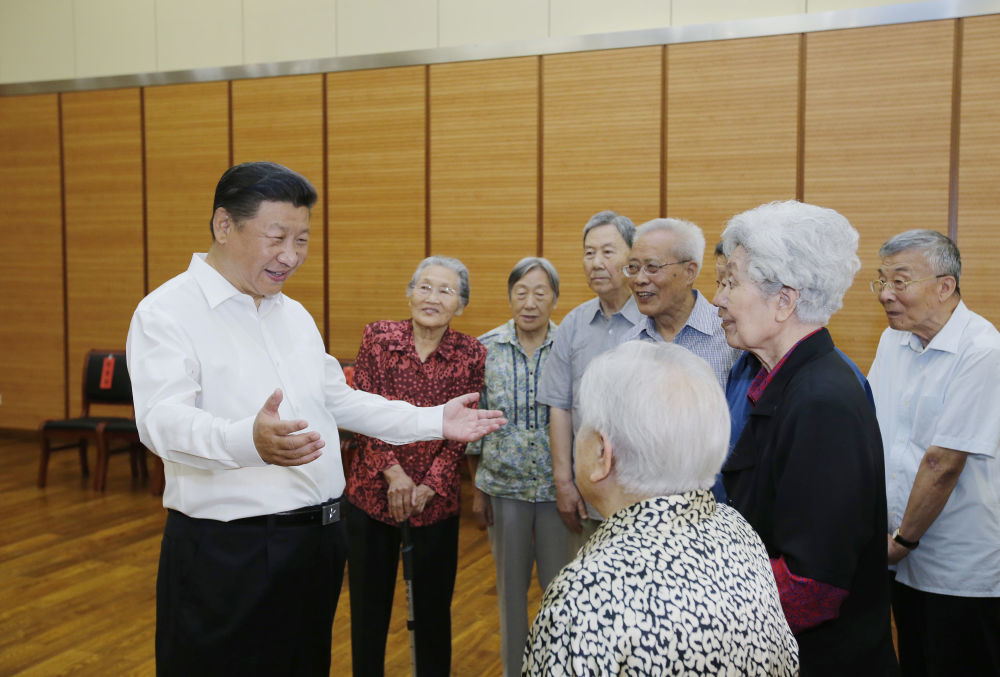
423 361
515 493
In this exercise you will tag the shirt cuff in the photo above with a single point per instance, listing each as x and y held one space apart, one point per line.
239 442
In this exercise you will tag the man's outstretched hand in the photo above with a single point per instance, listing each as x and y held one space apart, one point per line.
464 423
276 440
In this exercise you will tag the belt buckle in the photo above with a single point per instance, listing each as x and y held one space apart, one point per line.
330 513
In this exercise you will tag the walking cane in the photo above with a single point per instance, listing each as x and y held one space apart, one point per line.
408 577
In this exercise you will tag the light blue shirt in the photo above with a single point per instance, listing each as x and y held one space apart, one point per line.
702 334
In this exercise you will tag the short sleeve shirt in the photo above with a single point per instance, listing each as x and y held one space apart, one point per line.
945 394
584 334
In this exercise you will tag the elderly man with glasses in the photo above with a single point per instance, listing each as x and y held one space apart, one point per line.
936 381
661 272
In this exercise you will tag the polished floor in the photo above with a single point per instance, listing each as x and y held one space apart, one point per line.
78 571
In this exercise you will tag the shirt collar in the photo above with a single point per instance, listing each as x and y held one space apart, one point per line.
217 289
948 339
704 316
508 334
630 311
662 513
402 341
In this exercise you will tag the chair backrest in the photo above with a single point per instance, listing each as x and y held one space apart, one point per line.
105 378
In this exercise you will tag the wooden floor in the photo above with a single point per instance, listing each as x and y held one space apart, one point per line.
78 572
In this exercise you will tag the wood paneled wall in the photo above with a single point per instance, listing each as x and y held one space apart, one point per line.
484 176
491 161
602 129
32 331
979 166
105 262
877 147
376 154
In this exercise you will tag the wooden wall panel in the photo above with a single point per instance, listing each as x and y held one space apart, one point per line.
484 176
877 140
732 109
376 138
102 148
187 150
32 366
979 167
281 120
601 138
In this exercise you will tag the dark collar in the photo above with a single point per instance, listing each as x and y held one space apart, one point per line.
811 348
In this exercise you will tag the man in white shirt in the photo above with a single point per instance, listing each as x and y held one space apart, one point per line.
936 382
234 390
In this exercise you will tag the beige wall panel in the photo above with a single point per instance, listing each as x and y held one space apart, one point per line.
580 17
114 37
709 11
376 26
877 139
198 34
36 40
281 120
478 22
32 374
484 176
601 150
187 149
102 147
979 167
376 123
287 31
728 147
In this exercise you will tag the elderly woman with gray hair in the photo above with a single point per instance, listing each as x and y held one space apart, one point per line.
671 582
515 495
807 471
422 361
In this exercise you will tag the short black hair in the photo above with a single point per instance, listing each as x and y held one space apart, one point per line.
243 187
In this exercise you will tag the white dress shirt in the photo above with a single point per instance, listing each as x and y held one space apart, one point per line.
946 394
203 359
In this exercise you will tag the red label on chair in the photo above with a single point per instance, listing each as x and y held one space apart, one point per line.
107 372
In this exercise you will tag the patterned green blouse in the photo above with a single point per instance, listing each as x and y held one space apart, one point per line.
515 461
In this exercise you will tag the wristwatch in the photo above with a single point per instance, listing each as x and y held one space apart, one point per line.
909 545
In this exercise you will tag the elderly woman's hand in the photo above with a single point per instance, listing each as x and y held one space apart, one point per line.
421 495
400 493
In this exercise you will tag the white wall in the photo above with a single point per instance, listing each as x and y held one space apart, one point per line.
65 39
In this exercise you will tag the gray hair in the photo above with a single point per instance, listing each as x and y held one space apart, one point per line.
623 223
690 243
940 251
664 413
528 264
445 262
807 248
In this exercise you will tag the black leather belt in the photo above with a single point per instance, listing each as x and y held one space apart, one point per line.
320 515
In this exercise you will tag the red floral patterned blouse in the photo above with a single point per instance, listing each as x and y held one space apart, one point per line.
388 365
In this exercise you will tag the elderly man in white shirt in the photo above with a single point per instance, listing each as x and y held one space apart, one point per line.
233 389
936 382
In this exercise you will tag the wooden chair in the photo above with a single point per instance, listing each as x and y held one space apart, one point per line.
105 381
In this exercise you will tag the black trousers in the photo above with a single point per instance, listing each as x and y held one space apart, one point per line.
373 563
945 635
247 599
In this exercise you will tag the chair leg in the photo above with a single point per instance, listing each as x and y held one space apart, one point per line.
43 463
140 451
83 457
101 465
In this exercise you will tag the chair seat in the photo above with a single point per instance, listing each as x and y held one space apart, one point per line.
87 424
120 426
